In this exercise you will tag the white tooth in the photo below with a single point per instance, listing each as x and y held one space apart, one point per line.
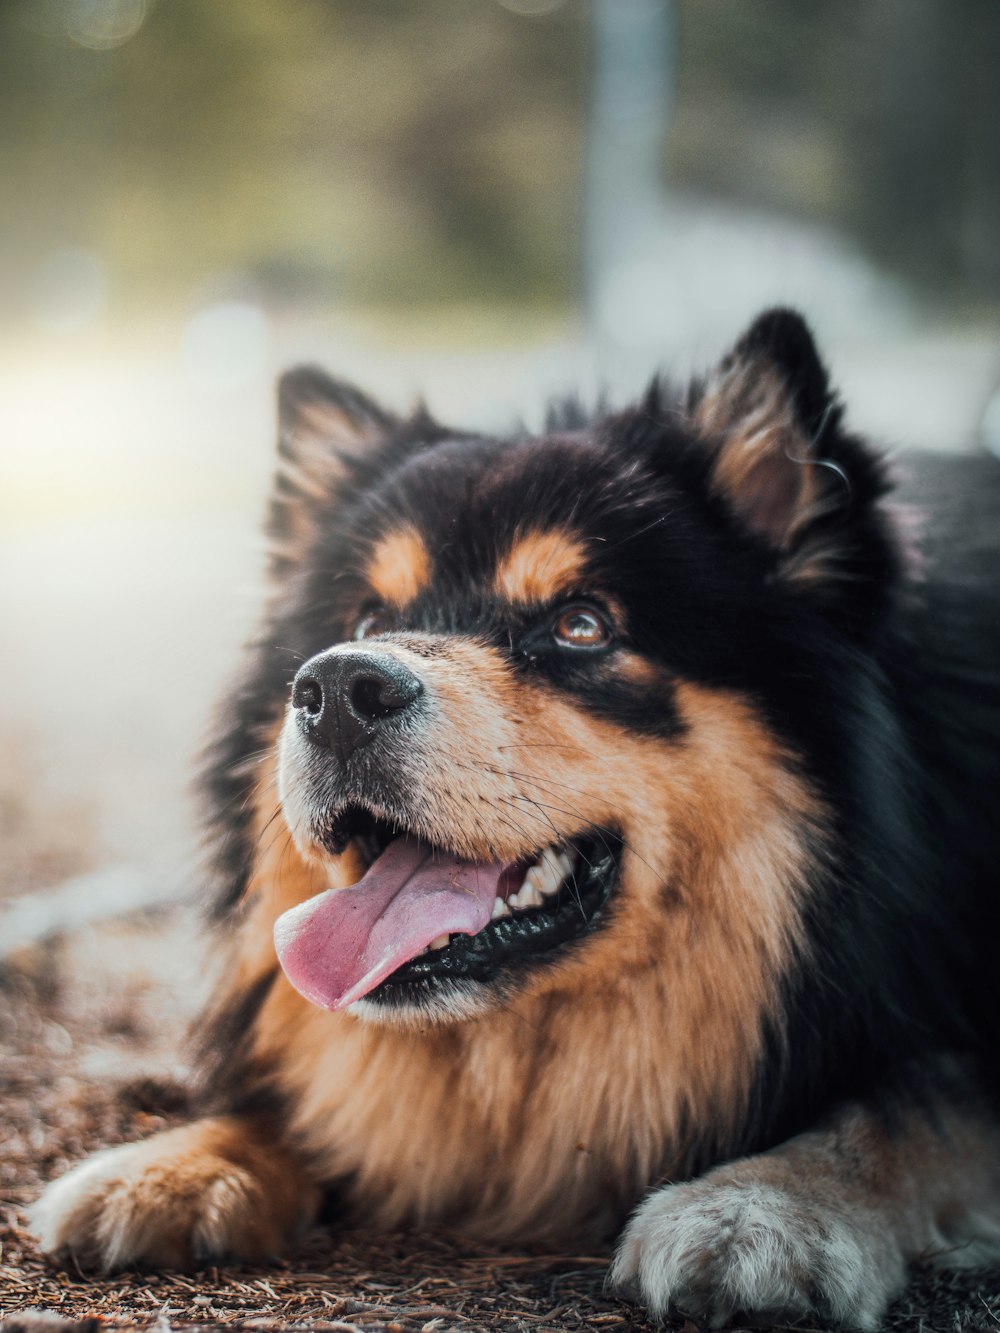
500 909
552 875
535 876
551 872
439 942
530 895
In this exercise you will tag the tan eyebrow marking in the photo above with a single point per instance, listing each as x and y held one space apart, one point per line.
400 566
542 563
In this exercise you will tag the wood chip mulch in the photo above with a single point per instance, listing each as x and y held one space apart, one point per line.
54 1109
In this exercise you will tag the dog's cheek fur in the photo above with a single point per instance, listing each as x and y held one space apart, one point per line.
704 926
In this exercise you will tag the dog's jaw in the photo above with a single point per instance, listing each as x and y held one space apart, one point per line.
452 1002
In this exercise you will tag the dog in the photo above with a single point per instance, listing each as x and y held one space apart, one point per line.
604 832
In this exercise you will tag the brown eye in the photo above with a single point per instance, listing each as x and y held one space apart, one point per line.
377 620
581 627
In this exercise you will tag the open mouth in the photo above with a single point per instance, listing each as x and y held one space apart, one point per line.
422 918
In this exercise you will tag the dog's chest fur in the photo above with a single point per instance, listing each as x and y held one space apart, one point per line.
511 1129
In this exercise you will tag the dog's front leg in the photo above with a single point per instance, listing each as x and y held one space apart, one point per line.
223 1186
824 1225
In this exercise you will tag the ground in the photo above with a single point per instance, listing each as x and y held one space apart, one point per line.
88 1059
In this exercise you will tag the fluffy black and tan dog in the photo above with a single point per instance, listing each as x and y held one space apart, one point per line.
627 839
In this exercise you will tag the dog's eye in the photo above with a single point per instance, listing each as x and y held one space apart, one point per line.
377 620
581 627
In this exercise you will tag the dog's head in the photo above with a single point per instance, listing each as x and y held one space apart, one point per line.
556 711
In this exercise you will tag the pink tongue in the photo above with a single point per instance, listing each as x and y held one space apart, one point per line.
338 946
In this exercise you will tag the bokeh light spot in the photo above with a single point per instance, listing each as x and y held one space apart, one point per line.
225 346
101 25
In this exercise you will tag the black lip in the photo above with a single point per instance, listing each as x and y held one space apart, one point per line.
513 943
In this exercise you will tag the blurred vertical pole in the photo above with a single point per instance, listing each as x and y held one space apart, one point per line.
632 88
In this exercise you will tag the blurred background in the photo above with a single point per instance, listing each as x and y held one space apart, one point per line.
484 201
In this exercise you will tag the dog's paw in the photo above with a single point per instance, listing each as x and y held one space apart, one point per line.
202 1191
712 1250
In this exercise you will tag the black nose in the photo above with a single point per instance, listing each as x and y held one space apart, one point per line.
344 698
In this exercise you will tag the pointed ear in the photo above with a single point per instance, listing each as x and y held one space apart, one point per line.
314 409
763 408
779 458
325 427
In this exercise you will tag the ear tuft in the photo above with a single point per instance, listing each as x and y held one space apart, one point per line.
782 338
769 415
316 409
323 424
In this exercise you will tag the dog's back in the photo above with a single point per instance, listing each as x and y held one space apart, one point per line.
948 673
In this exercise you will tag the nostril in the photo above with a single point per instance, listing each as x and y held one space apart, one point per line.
308 694
368 698
375 697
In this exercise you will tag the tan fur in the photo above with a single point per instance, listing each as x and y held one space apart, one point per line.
954 1154
749 404
324 423
310 469
400 566
559 1114
218 1186
765 466
547 1116
541 564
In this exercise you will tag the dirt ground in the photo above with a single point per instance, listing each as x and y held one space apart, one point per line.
89 1058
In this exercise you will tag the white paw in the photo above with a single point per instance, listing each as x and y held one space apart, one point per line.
170 1201
712 1250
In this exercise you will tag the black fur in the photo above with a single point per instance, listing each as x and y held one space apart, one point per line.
882 673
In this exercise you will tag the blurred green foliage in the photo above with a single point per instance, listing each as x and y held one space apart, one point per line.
388 151
412 152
